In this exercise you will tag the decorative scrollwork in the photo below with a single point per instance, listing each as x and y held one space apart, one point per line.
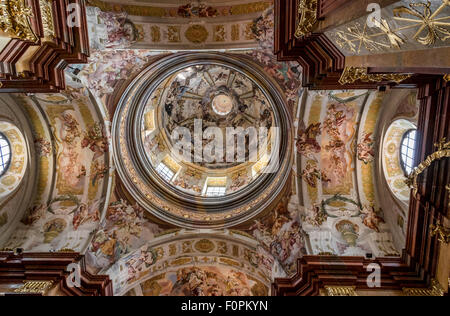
434 290
426 20
430 27
353 74
340 291
447 187
443 151
307 17
47 17
15 19
34 287
447 77
441 232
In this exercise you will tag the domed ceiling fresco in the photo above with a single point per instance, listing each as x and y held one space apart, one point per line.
205 128
215 97
108 178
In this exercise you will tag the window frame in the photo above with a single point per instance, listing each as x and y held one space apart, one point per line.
8 164
403 164
162 172
218 193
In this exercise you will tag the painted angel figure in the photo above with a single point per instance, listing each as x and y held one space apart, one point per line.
366 152
307 143
371 219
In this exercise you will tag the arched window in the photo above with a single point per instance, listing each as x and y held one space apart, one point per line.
5 154
408 151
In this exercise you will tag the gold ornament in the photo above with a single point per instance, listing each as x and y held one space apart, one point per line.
15 20
443 151
34 287
353 74
307 17
434 290
196 34
442 233
427 21
340 291
47 17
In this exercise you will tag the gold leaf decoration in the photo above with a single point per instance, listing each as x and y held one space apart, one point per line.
307 17
353 74
196 34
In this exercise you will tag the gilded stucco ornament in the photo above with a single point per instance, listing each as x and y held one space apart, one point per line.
403 28
443 151
34 287
165 199
435 289
441 232
340 291
197 34
307 17
47 17
353 74
447 187
15 20
426 21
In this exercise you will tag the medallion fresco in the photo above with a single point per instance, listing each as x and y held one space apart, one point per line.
203 281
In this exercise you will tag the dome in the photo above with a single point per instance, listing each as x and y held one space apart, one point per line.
221 112
203 139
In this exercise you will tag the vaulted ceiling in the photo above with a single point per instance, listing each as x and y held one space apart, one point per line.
97 192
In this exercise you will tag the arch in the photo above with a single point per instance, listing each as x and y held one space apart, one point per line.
17 166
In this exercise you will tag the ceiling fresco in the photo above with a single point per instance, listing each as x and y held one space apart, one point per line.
73 179
337 168
196 263
166 27
97 147
221 98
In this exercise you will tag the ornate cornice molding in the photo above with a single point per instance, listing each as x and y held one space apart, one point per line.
39 272
34 60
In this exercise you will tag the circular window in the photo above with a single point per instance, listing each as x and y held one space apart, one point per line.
5 154
408 151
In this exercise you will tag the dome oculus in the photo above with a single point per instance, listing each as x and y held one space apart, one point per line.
202 140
